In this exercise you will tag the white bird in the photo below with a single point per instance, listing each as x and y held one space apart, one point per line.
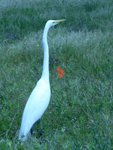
40 96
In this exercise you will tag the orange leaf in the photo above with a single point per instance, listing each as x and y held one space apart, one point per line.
60 72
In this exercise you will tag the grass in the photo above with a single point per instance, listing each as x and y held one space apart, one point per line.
81 109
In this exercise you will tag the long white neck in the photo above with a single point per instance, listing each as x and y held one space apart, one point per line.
45 72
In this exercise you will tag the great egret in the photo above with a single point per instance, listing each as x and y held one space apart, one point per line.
40 96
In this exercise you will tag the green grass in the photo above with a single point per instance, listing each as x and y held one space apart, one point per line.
80 114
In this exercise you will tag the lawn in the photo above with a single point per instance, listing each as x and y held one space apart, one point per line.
80 114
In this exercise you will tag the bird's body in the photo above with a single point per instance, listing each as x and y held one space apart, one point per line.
35 107
40 96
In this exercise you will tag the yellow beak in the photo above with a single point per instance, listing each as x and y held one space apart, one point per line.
61 20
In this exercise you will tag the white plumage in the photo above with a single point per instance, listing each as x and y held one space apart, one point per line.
40 96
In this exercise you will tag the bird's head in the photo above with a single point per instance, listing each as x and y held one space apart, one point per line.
51 23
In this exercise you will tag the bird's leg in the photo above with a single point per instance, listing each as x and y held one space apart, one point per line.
41 131
41 128
32 129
